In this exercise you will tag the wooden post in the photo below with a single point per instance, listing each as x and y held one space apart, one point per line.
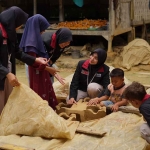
111 25
34 7
131 35
110 39
61 11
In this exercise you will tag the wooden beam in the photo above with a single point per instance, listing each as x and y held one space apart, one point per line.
34 7
5 146
138 23
61 11
89 131
121 30
125 1
77 32
111 25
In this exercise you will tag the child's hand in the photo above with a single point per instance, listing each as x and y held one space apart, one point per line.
93 101
114 107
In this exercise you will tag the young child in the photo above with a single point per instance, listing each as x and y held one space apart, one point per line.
113 93
137 96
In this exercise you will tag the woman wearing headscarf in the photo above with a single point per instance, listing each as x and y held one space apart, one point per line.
56 42
10 20
91 77
31 43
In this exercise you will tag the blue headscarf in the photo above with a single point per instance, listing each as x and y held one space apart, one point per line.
32 35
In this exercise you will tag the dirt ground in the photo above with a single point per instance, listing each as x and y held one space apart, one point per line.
67 66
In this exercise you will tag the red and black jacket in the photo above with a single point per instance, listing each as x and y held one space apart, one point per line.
6 48
79 80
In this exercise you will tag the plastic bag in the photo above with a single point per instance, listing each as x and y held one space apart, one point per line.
26 113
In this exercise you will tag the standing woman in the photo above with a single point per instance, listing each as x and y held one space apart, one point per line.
11 19
32 44
55 43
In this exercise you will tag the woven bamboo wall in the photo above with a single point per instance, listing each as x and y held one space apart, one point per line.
141 10
122 15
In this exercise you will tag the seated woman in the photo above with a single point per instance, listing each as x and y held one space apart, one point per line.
91 77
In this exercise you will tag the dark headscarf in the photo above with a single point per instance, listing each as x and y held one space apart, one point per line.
102 55
12 18
63 35
32 34
52 41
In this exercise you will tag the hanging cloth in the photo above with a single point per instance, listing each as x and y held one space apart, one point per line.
78 2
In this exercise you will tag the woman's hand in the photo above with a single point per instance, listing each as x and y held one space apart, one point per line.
59 78
51 70
41 60
93 101
71 101
12 79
